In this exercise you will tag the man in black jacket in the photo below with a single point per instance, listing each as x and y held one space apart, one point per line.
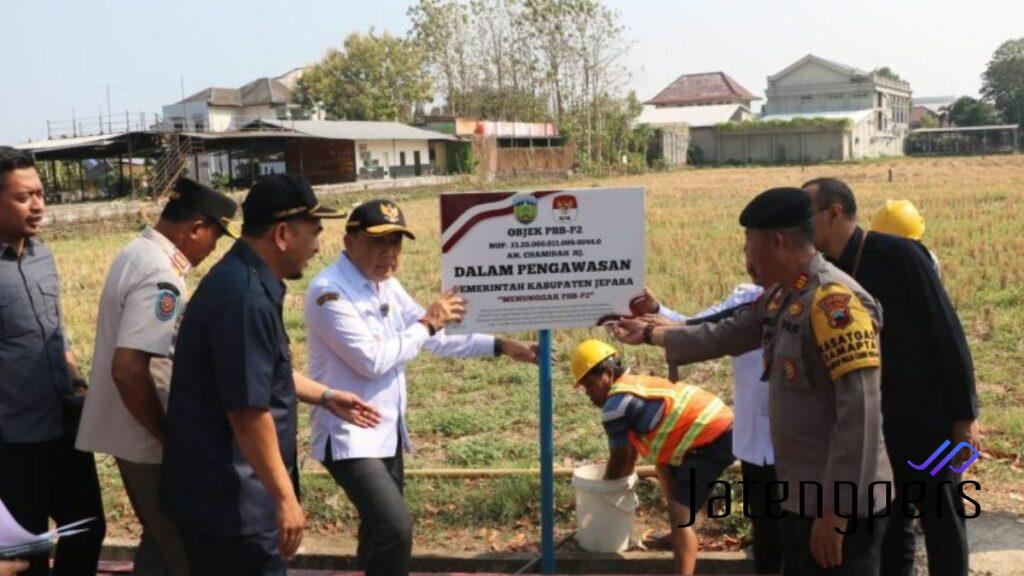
928 389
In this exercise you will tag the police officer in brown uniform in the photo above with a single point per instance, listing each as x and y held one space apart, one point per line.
818 331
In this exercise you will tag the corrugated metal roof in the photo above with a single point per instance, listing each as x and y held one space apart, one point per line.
356 130
854 115
62 143
694 116
965 129
706 87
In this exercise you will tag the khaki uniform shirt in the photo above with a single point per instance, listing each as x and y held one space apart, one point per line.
141 306
822 365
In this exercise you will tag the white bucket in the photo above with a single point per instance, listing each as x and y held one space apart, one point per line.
604 509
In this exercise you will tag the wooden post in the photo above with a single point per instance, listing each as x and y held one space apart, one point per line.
131 179
81 177
120 171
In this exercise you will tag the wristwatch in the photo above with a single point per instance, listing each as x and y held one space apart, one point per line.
325 398
648 333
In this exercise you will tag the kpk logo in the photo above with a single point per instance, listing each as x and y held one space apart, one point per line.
565 208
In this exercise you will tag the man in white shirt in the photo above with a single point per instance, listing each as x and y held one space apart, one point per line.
362 330
140 310
751 437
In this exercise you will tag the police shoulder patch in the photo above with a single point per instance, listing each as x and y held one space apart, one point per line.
327 297
166 304
844 331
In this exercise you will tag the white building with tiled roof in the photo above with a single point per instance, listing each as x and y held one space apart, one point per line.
813 85
217 109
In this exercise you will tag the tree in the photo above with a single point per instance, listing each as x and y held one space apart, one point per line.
530 61
967 111
929 121
439 29
1003 80
886 72
374 77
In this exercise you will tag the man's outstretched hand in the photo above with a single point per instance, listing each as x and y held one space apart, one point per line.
349 407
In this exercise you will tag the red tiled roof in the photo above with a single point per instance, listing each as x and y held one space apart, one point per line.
702 88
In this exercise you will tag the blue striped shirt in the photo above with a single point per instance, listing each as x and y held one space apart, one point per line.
625 413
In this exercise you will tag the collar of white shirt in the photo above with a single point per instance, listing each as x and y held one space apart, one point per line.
178 260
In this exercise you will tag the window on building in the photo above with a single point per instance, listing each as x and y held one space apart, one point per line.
401 158
806 98
835 96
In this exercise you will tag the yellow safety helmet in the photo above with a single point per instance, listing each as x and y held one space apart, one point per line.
900 218
588 354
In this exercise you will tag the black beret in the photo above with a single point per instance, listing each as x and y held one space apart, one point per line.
777 208
206 201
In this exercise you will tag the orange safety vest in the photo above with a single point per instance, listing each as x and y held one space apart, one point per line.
692 417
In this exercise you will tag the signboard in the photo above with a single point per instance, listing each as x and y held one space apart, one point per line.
541 260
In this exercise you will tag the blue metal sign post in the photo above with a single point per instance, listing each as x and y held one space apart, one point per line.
547 449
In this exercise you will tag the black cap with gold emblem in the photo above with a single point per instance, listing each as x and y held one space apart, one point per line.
778 208
281 197
206 201
378 217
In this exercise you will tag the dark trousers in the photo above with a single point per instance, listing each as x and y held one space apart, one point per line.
252 555
375 485
52 480
937 502
765 517
160 552
861 548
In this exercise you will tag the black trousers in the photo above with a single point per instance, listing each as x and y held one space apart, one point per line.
375 487
861 548
936 500
251 555
52 480
765 517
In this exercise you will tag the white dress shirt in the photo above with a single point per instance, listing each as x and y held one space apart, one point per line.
361 335
751 435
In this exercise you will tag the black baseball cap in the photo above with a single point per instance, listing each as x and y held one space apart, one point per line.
777 208
281 197
377 218
215 205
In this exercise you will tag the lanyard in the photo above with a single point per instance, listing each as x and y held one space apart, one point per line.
860 251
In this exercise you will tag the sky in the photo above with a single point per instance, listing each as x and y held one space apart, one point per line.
63 56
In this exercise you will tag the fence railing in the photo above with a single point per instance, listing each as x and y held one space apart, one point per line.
102 124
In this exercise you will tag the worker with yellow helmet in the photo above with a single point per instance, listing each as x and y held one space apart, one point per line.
682 429
901 218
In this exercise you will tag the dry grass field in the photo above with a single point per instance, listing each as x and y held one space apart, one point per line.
483 413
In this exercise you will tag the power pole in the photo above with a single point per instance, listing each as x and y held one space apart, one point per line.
110 128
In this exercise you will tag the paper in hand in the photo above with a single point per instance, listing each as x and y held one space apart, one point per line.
16 542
